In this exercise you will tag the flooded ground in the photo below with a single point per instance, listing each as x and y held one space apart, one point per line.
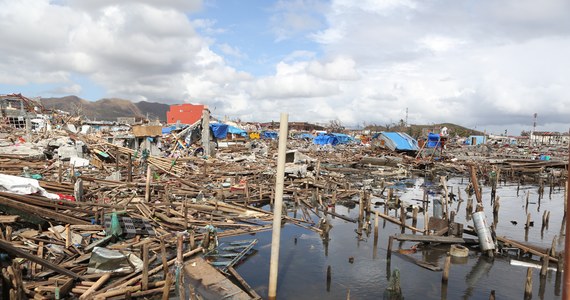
362 271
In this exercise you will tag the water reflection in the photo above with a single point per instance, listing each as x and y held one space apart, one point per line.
481 268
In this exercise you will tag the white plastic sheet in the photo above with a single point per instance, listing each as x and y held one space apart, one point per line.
23 186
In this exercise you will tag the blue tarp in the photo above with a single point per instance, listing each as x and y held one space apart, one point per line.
342 138
167 130
433 140
235 130
269 135
220 130
326 139
399 141
479 139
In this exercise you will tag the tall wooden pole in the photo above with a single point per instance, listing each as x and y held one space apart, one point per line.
206 131
566 287
277 207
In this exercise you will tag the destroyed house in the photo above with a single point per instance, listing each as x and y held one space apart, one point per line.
548 138
16 110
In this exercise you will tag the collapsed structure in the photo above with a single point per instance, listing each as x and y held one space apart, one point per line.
111 211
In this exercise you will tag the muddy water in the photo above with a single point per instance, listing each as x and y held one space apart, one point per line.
359 269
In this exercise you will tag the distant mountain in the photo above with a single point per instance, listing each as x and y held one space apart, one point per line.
107 109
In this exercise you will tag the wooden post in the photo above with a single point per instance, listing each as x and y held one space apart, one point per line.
206 131
59 171
329 275
376 230
446 197
145 267
67 236
545 263
475 183
445 276
389 250
147 188
117 154
166 288
163 257
277 208
403 218
130 168
528 284
426 222
415 217
179 264
553 247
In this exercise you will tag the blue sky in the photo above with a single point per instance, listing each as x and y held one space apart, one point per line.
487 64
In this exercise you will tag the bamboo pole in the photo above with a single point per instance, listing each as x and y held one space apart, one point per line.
277 208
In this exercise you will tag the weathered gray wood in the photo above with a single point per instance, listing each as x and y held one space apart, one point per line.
434 239
7 247
210 283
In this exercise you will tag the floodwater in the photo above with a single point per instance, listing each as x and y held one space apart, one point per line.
363 272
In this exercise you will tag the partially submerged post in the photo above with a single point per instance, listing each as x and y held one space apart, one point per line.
277 208
566 288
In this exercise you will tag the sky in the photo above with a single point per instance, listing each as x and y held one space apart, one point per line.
488 64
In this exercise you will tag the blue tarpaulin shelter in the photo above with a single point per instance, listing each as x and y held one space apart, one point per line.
433 140
269 135
342 138
219 130
235 130
475 140
398 141
326 139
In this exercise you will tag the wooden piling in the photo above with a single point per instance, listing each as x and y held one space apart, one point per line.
376 230
329 277
545 263
445 276
528 284
403 218
415 217
389 250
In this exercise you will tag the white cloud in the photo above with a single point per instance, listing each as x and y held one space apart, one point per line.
490 63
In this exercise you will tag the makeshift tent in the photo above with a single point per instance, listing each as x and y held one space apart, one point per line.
398 141
433 140
235 130
269 135
475 140
343 138
219 130
326 139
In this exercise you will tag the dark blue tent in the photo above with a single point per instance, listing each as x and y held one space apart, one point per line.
269 135
220 130
342 138
433 140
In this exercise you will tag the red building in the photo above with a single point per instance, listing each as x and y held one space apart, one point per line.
185 113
